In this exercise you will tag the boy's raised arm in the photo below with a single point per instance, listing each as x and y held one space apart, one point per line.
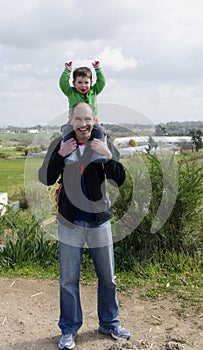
101 80
65 77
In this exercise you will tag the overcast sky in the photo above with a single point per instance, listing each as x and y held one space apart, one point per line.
151 52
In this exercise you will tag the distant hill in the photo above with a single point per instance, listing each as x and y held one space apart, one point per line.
116 130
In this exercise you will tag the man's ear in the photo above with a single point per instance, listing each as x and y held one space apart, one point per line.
96 120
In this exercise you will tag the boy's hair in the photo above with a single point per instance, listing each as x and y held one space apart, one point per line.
82 72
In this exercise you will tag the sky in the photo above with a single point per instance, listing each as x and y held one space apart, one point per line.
151 53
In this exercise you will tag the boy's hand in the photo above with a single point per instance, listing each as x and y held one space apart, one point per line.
96 64
69 65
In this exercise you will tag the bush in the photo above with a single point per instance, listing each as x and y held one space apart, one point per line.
24 241
181 233
19 194
132 143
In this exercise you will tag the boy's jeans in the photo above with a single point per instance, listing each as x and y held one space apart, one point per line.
71 242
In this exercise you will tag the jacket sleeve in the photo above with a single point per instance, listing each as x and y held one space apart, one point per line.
100 82
53 164
64 82
115 171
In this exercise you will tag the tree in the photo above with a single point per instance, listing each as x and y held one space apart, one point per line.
132 143
160 130
197 139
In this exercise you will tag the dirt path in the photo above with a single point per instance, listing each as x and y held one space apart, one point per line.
29 314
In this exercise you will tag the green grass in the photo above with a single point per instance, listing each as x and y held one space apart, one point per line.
8 152
12 173
21 137
25 139
33 270
154 281
12 162
191 156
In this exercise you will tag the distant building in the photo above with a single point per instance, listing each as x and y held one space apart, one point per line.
161 140
32 131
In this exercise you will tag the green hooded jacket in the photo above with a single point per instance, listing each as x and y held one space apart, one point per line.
75 97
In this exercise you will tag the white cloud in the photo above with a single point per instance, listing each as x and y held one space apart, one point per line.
19 67
114 58
179 92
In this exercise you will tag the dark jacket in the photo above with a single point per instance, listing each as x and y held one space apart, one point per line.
69 176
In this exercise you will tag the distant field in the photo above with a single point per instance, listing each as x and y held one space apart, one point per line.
16 137
12 172
25 138
6 152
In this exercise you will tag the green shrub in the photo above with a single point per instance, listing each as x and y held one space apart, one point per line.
19 194
181 233
3 155
132 143
23 240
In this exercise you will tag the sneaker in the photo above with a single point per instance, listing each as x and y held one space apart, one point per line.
67 341
116 333
98 158
71 158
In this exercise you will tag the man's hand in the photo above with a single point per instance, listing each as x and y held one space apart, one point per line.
67 147
101 147
96 64
69 65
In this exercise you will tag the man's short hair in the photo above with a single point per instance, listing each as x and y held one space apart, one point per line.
72 110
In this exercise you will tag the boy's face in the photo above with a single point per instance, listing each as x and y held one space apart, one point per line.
82 84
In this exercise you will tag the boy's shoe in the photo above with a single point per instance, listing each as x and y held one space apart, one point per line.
71 158
98 158
116 333
67 341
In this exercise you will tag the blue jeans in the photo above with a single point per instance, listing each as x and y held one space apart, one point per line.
71 243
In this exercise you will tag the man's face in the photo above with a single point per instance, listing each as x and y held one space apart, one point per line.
82 122
82 84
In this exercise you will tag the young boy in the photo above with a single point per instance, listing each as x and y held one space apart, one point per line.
82 91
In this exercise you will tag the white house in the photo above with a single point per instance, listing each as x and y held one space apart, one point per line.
33 131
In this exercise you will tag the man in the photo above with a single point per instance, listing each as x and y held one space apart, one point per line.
83 217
